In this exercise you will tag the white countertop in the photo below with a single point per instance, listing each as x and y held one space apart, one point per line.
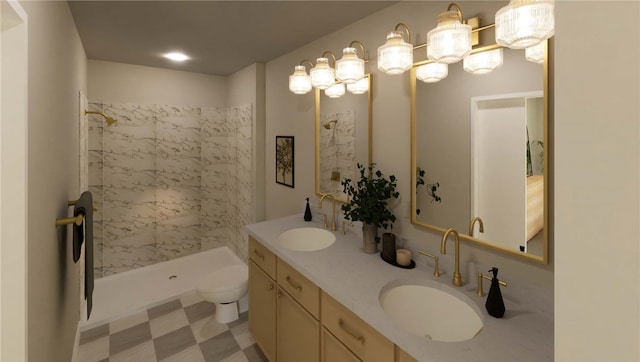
355 279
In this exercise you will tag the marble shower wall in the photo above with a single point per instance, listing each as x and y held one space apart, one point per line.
337 150
168 181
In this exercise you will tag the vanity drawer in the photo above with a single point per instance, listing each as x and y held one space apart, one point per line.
263 257
300 288
364 341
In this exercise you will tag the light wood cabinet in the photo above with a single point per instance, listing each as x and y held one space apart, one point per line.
334 351
292 320
364 341
262 310
298 331
300 288
402 356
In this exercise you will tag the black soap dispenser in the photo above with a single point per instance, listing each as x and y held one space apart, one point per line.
495 304
307 212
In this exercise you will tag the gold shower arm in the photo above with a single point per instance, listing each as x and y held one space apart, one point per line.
108 119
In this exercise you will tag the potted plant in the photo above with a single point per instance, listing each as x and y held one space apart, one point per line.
368 203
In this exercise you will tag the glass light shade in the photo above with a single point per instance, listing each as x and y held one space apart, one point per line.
535 53
322 75
450 41
350 68
300 81
525 23
483 62
335 91
359 87
395 56
432 72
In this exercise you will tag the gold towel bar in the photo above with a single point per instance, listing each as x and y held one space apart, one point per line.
71 203
70 220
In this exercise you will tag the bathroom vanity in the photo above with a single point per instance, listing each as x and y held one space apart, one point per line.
324 305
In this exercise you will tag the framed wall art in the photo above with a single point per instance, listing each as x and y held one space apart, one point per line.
285 160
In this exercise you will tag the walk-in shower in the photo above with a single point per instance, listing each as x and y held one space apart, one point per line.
168 181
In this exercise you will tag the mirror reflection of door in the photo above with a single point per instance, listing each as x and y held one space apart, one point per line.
506 194
443 143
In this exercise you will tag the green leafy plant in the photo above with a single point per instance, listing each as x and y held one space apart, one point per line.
431 188
368 197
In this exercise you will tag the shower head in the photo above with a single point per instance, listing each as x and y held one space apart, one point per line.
108 119
328 124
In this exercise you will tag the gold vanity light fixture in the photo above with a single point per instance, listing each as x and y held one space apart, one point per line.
483 62
535 53
396 56
107 119
300 81
350 68
525 23
336 90
450 40
323 75
432 72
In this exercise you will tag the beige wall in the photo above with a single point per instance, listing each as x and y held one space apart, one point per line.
247 86
127 83
597 305
597 161
57 73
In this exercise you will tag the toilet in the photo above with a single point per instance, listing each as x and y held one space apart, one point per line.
224 288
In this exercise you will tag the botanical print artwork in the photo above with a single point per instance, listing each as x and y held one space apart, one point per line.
284 160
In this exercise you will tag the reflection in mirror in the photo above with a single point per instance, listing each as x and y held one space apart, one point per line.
343 139
478 151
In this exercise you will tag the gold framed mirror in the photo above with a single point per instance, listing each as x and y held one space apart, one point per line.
343 130
479 152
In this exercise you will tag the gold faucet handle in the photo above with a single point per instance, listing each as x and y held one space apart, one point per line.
325 224
480 291
436 269
346 223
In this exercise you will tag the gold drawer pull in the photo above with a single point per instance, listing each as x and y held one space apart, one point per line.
349 332
259 254
295 286
270 287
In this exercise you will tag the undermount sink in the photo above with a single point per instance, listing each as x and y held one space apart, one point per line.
431 312
306 239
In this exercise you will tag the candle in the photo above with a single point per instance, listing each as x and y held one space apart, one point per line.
403 257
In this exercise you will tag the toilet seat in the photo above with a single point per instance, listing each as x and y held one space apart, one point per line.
224 288
225 280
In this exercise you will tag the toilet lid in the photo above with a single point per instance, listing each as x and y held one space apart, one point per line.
231 277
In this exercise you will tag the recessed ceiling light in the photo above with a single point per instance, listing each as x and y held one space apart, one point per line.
176 57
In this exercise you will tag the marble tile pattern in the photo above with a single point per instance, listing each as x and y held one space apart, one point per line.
337 150
168 181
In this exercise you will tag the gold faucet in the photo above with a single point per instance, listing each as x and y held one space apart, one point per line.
457 279
333 215
345 223
436 269
473 222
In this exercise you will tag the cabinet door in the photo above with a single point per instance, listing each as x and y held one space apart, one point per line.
334 351
298 331
262 310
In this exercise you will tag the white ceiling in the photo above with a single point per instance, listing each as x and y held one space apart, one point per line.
221 37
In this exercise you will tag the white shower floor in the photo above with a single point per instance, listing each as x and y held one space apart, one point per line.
135 290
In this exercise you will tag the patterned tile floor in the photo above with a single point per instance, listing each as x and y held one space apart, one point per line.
179 330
